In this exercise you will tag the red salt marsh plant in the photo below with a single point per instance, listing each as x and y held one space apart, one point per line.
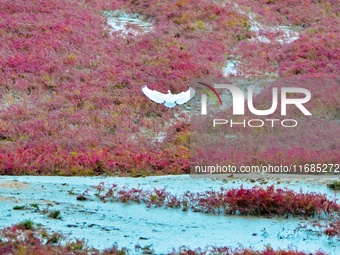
25 238
312 54
18 239
239 251
293 12
70 90
253 201
331 229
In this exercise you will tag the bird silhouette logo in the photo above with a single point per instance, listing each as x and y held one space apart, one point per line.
169 100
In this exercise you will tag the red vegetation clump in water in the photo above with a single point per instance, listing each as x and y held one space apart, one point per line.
22 239
25 238
253 201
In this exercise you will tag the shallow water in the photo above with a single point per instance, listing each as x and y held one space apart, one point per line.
104 224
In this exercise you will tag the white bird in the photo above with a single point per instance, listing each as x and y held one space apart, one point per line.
169 100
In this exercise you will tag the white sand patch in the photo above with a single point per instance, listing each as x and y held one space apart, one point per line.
230 68
288 34
134 24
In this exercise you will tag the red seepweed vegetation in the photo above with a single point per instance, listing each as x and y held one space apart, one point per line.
240 251
17 239
252 201
70 99
21 239
70 90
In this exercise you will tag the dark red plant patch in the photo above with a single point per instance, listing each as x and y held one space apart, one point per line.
70 90
240 251
19 240
253 201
